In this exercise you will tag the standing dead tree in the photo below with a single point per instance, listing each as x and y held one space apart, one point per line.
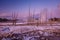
14 18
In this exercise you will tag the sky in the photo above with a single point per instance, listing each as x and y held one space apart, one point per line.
21 7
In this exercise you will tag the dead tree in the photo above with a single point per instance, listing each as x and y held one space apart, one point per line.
14 18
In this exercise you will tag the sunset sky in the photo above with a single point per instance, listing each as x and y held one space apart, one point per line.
21 7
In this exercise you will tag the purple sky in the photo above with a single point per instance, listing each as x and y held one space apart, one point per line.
21 7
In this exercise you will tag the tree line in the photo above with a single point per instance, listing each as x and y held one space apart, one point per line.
4 19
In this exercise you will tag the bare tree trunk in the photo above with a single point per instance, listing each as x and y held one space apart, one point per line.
14 18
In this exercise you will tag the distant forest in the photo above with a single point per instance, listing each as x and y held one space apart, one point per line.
3 20
9 20
54 19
